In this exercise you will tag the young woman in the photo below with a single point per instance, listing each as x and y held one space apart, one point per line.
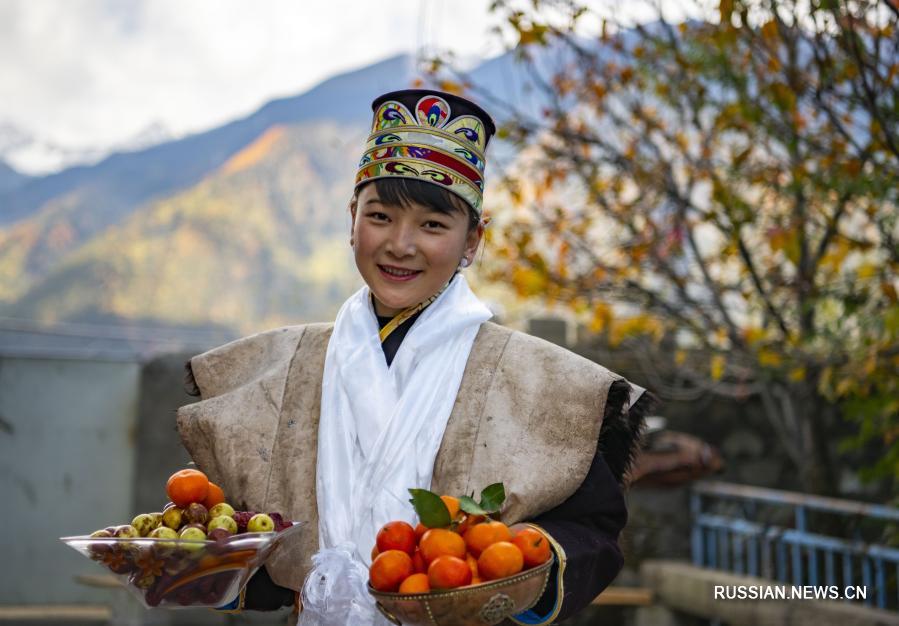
411 386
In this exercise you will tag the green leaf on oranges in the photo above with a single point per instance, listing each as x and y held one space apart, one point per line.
468 504
430 508
492 497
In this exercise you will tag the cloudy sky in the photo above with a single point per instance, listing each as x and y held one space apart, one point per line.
94 73
87 71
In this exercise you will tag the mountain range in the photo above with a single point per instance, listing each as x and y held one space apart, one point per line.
10 178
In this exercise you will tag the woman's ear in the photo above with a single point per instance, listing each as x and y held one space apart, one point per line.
473 240
353 202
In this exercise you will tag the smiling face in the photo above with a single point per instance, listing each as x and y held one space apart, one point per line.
407 251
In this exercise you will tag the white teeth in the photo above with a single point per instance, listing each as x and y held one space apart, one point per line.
394 272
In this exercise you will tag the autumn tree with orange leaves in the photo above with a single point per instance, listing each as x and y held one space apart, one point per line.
723 194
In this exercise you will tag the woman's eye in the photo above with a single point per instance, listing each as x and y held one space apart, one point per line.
378 216
434 224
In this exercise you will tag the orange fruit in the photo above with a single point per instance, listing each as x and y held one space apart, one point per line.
448 572
452 505
396 536
375 552
439 542
499 560
214 496
534 546
416 583
420 531
389 569
418 563
468 521
472 565
187 486
480 536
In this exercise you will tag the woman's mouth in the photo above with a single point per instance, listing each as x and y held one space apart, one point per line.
397 274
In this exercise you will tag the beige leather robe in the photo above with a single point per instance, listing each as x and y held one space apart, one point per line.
528 414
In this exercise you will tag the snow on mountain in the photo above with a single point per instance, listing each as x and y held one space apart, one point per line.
38 156
34 155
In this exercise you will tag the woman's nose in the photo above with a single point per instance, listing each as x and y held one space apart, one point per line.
402 241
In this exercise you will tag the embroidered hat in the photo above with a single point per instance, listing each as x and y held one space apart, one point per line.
432 136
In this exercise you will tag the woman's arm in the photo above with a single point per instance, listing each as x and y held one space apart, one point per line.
261 592
584 529
584 532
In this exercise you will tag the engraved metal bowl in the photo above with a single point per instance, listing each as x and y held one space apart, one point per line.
476 605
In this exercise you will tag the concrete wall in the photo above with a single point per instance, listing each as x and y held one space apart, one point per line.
159 452
67 444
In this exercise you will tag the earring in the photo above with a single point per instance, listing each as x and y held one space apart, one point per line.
464 262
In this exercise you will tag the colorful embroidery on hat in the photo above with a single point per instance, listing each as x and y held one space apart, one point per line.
471 129
428 143
425 153
459 185
432 111
438 139
391 115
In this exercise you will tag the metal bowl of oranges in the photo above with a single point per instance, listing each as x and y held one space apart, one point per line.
474 605
479 571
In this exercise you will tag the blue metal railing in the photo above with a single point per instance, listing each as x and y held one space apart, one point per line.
729 534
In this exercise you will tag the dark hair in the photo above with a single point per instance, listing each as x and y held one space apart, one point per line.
404 191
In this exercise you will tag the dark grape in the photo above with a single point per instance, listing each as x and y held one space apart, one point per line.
242 518
280 522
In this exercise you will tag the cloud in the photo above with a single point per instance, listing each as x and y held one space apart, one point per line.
94 72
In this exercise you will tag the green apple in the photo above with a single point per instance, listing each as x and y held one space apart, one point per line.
192 535
164 532
173 517
223 521
260 523
222 508
127 531
144 523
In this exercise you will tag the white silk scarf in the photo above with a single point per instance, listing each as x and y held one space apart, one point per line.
378 435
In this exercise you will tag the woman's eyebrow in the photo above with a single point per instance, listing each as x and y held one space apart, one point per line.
433 212
373 201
